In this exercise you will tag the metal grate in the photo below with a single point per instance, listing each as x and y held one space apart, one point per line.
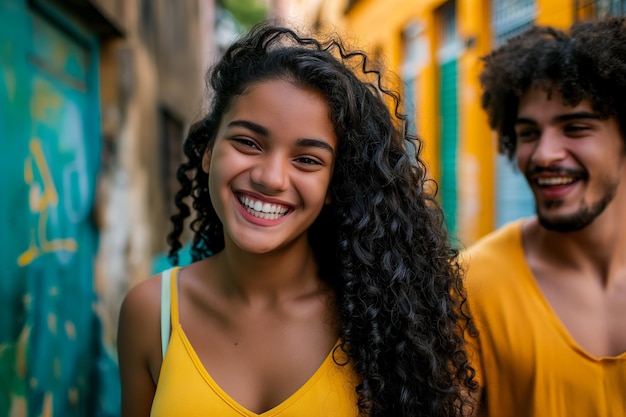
511 17
513 196
589 9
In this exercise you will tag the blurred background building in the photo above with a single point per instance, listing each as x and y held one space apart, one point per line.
95 99
435 47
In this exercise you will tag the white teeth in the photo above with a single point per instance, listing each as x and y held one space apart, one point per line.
263 210
555 180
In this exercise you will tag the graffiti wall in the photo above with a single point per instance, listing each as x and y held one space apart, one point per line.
52 362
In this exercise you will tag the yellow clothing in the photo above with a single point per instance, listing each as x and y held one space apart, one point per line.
186 389
528 362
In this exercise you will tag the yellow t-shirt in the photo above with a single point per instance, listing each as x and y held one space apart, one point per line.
186 389
528 363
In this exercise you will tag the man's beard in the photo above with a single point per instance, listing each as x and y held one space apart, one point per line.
579 220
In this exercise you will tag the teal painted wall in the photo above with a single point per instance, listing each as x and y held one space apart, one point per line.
52 360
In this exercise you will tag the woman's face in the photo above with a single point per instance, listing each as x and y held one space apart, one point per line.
270 165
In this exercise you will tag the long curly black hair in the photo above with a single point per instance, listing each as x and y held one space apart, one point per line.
380 244
588 63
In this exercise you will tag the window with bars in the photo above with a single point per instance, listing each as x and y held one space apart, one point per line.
513 196
589 9
171 156
511 17
413 60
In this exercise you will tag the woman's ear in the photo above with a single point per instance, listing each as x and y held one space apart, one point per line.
328 199
206 159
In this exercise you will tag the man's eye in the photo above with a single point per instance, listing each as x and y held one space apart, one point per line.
527 134
576 128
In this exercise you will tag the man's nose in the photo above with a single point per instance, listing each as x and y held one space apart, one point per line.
549 149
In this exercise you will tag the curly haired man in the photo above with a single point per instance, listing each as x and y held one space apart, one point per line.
548 293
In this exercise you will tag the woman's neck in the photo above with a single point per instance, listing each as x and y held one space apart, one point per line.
285 273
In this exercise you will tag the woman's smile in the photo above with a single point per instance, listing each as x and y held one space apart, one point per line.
262 210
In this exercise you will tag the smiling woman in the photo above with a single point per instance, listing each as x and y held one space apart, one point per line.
264 152
323 283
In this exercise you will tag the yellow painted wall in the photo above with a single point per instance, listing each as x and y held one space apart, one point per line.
558 13
427 103
476 170
375 23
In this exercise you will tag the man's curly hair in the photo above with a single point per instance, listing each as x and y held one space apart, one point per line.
380 244
588 63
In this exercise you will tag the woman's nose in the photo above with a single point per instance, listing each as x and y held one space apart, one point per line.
270 175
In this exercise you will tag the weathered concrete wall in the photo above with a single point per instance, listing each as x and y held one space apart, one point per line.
155 71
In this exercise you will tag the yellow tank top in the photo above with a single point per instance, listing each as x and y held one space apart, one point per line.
528 363
186 389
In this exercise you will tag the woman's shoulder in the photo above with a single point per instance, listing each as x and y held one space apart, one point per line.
144 297
139 332
140 310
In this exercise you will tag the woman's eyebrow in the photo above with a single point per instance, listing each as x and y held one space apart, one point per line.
256 128
316 143
302 142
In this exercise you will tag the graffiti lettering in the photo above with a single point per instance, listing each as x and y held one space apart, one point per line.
43 201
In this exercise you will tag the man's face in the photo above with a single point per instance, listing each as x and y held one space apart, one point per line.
572 159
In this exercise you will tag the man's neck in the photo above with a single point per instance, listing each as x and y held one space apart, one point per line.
597 250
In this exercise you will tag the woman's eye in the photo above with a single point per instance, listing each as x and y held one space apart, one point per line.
308 161
246 142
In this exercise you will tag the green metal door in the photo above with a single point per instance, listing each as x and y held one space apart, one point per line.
447 56
449 142
52 362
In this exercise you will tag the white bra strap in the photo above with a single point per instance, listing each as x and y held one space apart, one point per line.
166 302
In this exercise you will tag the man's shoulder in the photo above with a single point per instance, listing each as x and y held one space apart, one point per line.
498 242
495 255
